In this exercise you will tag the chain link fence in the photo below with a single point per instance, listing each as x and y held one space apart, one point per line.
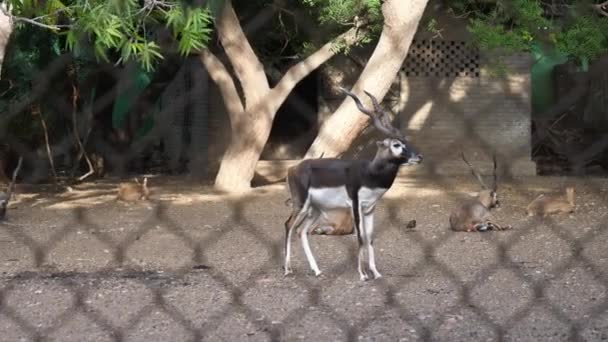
194 264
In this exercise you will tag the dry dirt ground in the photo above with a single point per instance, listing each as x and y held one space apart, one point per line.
195 265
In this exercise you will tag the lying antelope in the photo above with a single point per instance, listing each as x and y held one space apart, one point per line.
5 197
474 214
334 222
545 205
340 222
130 192
317 186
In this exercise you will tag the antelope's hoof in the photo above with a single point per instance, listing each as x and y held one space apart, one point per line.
377 276
288 272
363 277
318 273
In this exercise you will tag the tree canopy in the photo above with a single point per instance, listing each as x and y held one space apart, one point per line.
127 29
577 28
120 30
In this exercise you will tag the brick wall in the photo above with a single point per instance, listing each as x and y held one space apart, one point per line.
477 115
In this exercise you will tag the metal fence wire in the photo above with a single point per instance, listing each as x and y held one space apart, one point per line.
193 264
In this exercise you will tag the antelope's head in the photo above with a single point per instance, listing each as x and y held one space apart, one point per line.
395 147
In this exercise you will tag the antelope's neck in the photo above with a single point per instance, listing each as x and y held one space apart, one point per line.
382 173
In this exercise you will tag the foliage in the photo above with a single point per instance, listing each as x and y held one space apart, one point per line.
300 27
28 52
334 15
122 30
586 37
332 12
500 26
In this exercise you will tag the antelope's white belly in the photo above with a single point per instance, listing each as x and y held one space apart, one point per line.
337 197
330 198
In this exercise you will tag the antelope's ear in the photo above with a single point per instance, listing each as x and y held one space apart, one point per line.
382 143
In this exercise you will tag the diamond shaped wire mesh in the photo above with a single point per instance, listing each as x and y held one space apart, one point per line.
213 268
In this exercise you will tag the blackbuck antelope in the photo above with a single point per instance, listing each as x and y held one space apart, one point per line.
317 186
334 222
5 197
340 222
474 214
545 205
130 192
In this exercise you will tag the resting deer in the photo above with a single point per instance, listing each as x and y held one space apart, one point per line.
545 205
130 192
334 222
317 186
5 197
474 214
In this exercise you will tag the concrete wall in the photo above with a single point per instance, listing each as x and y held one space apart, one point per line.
477 115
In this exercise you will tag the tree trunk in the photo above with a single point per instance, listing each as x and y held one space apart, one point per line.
251 118
6 28
401 20
246 145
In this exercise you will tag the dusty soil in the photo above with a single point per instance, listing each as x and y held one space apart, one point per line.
192 264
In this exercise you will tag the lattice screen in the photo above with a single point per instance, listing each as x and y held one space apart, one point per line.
441 58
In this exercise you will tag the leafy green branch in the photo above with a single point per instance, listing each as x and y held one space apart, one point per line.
120 30
576 28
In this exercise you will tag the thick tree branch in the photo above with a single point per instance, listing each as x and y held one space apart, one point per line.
602 8
297 72
401 20
6 29
220 75
247 66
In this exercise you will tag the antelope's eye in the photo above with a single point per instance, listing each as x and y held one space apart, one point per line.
396 145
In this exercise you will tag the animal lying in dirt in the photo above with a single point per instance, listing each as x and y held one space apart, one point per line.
474 215
545 205
339 222
334 222
130 192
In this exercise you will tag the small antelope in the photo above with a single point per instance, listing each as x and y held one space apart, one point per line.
130 192
474 214
5 197
334 222
545 205
318 186
340 222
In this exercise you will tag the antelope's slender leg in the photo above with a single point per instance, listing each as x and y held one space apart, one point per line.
294 221
357 221
288 231
368 238
308 222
